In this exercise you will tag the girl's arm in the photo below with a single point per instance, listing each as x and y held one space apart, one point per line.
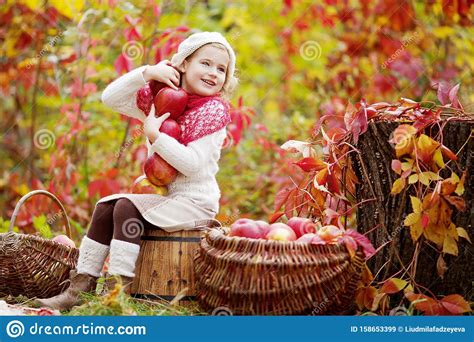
120 95
191 158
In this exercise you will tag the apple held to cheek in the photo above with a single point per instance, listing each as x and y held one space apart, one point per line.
246 228
171 101
158 171
281 232
301 226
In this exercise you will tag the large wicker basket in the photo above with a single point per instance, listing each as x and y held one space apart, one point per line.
33 266
242 276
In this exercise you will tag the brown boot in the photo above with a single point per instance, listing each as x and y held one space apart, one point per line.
78 283
111 281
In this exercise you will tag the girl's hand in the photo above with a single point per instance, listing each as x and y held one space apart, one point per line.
163 72
152 124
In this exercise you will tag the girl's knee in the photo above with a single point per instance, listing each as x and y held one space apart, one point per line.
124 205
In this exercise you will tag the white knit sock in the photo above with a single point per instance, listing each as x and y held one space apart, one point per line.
92 255
123 257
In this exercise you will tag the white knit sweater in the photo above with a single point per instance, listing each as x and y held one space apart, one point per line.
196 162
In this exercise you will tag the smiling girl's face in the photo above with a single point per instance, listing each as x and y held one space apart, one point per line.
205 72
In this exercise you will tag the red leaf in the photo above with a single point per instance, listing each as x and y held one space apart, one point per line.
122 64
427 305
310 164
362 241
455 304
281 197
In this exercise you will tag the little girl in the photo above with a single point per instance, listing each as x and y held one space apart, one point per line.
206 64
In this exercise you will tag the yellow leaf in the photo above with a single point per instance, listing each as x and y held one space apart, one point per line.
416 204
69 9
462 233
450 246
413 179
424 179
438 158
460 187
33 4
407 165
416 230
426 148
398 186
411 219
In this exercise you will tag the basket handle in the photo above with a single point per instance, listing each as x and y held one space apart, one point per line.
38 192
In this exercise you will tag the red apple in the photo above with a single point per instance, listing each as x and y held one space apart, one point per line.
264 225
247 228
158 171
330 232
301 225
64 240
156 86
143 186
280 232
171 101
171 127
307 237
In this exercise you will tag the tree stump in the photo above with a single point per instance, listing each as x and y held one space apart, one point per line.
373 168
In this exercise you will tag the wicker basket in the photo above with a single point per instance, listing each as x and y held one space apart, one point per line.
33 266
242 276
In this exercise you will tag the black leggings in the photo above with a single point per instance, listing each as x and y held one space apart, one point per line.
117 219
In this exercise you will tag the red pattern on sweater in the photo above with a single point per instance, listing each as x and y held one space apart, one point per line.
203 115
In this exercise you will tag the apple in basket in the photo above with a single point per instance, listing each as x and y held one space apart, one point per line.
247 228
158 171
301 226
64 240
281 232
170 101
330 232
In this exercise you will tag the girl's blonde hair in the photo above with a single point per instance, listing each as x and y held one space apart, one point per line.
231 82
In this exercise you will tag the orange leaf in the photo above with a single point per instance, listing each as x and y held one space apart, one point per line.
455 304
448 153
322 177
393 285
402 137
369 296
416 230
426 304
448 186
457 202
275 216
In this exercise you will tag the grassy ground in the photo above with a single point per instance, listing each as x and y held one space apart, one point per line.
118 303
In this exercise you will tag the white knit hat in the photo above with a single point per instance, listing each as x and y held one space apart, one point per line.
195 41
